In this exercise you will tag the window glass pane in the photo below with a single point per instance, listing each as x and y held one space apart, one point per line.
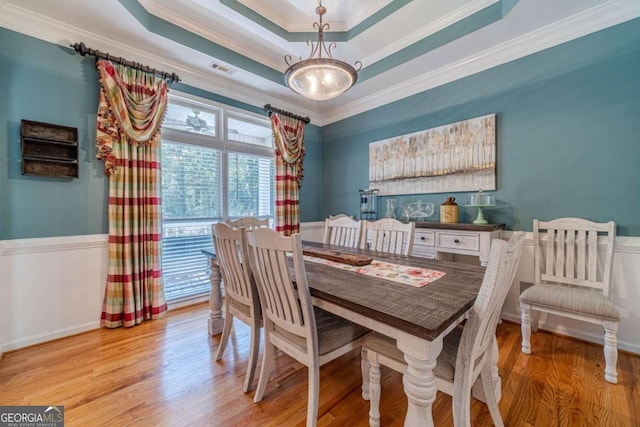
185 270
251 185
190 119
196 192
190 182
250 132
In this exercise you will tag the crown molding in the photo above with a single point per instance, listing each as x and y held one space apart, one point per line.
598 18
440 24
162 12
260 8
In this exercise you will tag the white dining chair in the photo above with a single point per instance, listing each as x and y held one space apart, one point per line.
572 280
388 235
342 231
291 323
467 352
336 216
248 222
241 298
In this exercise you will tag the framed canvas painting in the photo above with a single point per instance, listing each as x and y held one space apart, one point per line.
456 157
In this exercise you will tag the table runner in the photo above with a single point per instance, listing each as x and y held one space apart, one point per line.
412 276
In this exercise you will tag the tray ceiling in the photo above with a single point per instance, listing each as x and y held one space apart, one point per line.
406 46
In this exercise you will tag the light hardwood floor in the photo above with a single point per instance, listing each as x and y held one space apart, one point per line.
163 373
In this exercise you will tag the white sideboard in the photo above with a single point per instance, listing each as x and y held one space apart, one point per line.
437 240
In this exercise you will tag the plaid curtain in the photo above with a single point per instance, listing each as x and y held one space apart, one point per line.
131 109
289 134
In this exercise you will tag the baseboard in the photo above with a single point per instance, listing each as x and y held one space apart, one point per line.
50 336
627 346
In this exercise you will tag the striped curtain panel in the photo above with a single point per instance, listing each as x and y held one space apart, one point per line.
289 134
130 113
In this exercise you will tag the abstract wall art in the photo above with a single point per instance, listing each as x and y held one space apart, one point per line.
456 157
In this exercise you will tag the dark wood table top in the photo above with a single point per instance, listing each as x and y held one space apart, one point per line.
424 312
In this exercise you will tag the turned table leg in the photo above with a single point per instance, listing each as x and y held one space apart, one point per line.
418 379
215 299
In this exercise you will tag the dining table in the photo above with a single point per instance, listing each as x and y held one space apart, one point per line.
416 317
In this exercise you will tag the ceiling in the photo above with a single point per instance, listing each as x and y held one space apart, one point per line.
406 46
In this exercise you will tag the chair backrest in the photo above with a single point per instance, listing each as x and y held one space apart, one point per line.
566 251
285 305
479 329
340 216
248 222
342 231
231 255
388 235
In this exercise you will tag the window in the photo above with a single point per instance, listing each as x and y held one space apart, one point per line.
217 163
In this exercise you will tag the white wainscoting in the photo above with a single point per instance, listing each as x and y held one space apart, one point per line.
53 287
50 288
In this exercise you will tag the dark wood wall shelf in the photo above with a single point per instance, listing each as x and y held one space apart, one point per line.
49 150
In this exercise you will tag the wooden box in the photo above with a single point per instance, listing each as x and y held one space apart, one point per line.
49 150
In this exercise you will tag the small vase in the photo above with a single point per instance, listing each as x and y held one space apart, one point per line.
391 208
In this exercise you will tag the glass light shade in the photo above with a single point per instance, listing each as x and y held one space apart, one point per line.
320 79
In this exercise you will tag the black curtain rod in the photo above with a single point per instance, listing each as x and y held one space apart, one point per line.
271 109
84 50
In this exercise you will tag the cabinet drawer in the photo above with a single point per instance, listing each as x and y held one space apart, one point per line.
467 242
424 251
424 238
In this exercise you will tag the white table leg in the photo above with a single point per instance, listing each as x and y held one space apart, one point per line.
216 321
418 379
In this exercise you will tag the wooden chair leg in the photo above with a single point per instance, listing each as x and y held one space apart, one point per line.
611 352
526 327
374 392
462 403
265 371
226 331
488 387
364 367
253 355
314 392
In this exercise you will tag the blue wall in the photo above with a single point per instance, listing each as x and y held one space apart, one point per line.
568 134
45 82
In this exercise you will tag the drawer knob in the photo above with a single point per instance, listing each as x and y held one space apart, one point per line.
423 238
456 241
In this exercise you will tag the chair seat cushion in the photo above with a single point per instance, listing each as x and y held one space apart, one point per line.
445 366
333 332
571 299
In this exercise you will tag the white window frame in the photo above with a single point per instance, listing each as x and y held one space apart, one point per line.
220 140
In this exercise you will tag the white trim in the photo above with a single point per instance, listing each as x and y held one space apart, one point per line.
170 16
440 24
52 335
52 244
187 302
623 244
307 26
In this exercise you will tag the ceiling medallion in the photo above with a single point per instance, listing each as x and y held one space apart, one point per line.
320 78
